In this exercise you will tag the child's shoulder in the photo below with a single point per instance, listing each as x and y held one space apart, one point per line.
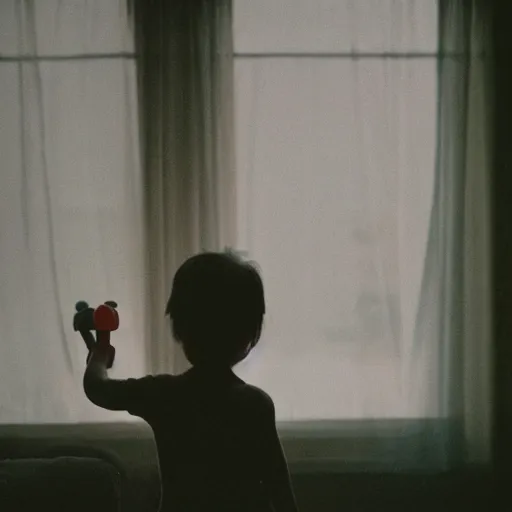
251 395
258 398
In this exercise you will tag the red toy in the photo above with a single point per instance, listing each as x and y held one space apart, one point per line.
104 319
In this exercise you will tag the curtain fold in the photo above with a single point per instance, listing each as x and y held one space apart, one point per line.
478 270
456 297
185 67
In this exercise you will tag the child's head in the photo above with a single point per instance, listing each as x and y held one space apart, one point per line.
216 307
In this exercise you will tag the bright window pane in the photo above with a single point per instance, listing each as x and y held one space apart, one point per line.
71 210
65 28
273 26
336 161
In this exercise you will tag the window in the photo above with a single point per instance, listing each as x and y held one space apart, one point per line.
70 199
336 136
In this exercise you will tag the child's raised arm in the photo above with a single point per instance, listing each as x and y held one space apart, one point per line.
132 395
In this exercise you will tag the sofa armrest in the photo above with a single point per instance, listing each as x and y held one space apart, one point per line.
61 484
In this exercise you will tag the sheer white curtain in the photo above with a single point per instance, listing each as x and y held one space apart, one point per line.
79 218
70 200
361 198
337 147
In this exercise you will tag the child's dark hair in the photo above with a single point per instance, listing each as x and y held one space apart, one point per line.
216 307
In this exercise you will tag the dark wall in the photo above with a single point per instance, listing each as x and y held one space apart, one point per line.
502 235
400 492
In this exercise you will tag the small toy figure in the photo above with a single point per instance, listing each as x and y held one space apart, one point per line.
104 319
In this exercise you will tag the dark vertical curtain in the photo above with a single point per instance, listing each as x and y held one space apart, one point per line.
457 266
185 82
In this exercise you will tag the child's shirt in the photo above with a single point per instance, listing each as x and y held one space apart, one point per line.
216 438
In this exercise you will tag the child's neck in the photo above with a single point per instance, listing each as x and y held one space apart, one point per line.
214 373
213 369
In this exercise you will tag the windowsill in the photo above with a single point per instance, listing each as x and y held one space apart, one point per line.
384 446
416 445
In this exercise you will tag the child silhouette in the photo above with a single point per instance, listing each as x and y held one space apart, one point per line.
216 435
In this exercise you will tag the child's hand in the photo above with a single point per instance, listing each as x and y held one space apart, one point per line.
102 354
